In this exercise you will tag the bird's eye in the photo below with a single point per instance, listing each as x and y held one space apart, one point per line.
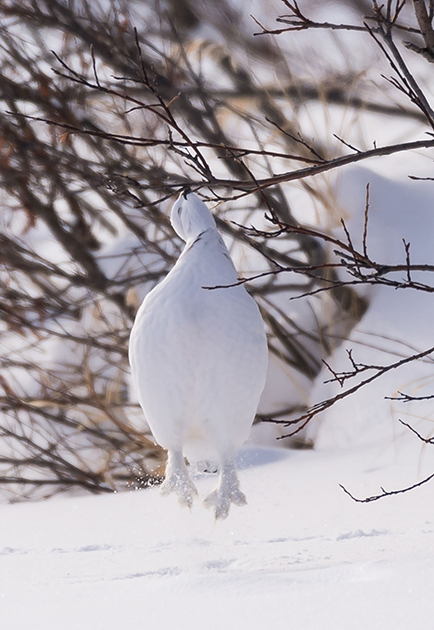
179 211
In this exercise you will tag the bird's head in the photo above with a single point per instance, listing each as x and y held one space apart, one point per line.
190 216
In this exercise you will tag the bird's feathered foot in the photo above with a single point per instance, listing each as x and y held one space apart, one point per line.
178 480
221 501
227 492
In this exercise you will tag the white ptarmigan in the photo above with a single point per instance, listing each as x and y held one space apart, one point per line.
199 358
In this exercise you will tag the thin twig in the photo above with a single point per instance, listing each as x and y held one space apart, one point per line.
387 493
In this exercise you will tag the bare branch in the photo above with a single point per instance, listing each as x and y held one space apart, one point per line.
387 493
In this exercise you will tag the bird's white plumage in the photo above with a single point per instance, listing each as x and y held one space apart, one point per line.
198 358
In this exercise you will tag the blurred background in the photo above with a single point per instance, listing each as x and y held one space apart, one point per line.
108 109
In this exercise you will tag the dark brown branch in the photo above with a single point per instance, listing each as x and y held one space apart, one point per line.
387 493
326 404
423 439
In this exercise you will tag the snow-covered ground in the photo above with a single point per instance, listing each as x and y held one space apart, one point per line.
301 554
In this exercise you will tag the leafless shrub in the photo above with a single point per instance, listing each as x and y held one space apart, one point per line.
136 102
385 24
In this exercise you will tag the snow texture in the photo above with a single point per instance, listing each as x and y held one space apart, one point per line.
301 554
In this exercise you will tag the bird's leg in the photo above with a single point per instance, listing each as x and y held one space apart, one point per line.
177 479
227 491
